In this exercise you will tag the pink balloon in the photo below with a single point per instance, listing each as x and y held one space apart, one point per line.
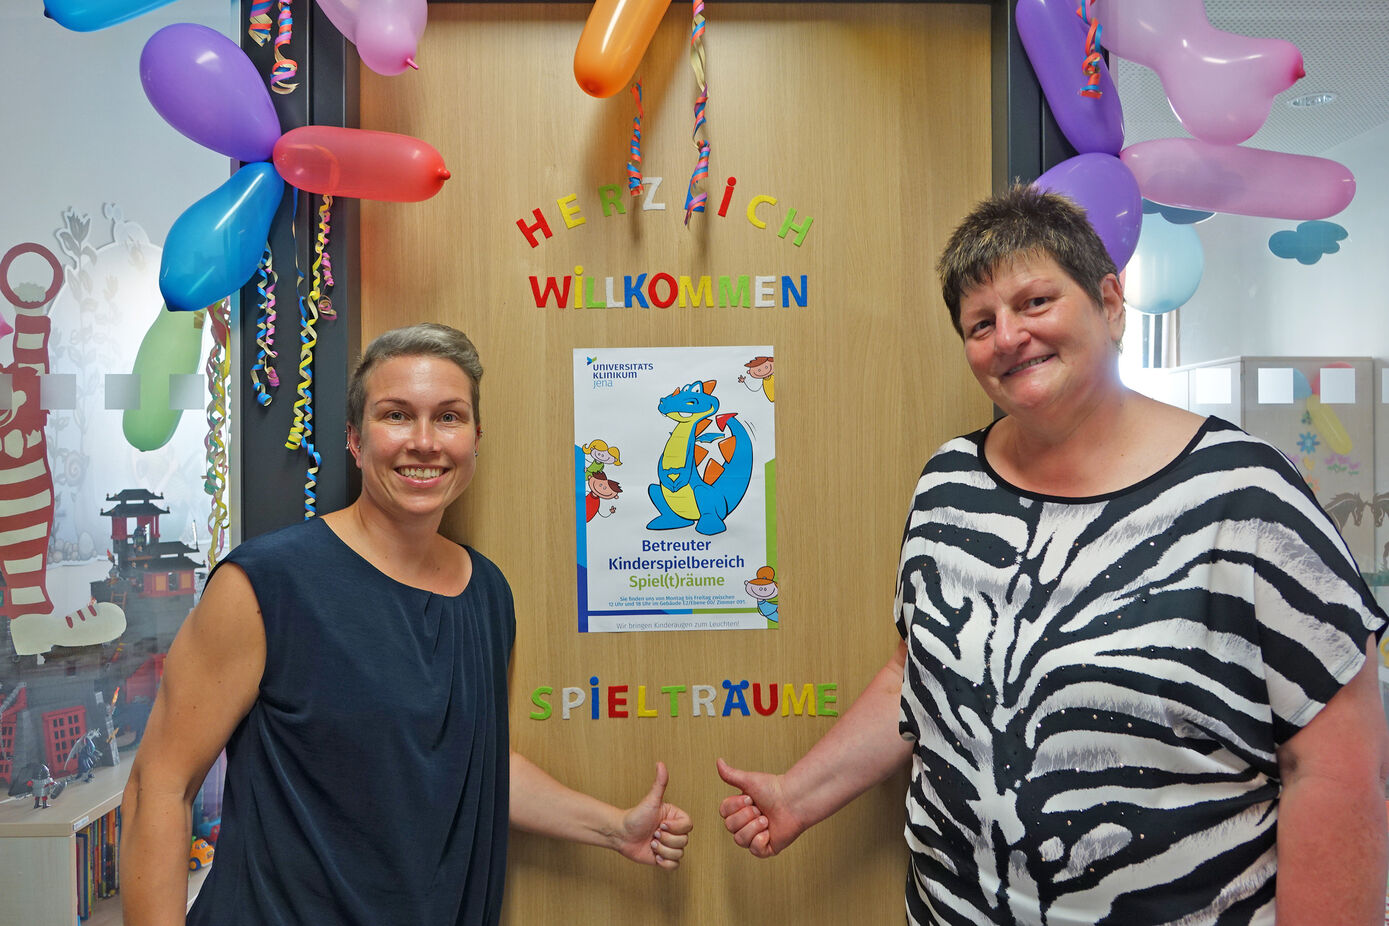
1221 85
386 32
1193 174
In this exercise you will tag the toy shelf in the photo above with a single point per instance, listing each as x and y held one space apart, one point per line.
38 852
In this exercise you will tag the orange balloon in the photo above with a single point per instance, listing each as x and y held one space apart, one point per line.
359 163
613 43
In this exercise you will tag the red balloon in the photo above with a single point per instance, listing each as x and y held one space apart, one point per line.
359 163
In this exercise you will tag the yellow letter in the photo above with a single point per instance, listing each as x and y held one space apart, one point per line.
752 209
570 211
790 702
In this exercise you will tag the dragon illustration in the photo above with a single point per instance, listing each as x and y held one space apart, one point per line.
691 487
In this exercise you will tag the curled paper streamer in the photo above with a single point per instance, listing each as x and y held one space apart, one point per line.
308 316
301 432
322 271
695 196
1093 58
285 67
265 328
215 481
634 158
259 29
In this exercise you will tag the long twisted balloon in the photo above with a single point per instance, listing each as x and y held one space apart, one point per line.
695 196
634 158
265 326
215 480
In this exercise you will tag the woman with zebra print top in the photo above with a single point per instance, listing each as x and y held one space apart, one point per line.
1138 676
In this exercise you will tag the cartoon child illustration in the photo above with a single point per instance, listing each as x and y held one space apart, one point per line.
760 369
601 455
601 487
764 589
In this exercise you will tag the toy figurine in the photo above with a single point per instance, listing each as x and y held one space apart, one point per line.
88 753
43 787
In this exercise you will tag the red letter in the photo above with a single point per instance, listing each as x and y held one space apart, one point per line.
670 290
727 195
614 702
757 699
552 288
530 230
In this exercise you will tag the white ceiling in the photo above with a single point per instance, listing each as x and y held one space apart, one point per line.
1344 45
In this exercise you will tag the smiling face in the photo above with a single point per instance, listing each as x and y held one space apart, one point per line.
418 442
761 371
601 487
1037 343
761 591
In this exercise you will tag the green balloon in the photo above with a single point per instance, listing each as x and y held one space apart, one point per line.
172 345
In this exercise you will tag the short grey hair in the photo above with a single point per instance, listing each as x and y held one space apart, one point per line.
427 339
1022 222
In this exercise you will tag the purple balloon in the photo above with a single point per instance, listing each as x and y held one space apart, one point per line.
1054 38
203 84
1107 191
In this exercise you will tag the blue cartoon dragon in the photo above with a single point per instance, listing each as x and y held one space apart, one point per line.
687 493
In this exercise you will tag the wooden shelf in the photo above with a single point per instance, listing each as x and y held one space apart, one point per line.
38 879
78 805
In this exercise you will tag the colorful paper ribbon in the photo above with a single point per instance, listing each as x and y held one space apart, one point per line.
322 266
215 480
634 158
695 196
265 328
1093 58
260 21
285 68
301 432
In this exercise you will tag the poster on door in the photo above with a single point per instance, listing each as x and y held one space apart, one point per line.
675 488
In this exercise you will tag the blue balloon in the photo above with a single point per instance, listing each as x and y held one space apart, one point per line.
215 246
90 15
1302 388
1166 266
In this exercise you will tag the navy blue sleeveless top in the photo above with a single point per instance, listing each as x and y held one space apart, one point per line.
367 785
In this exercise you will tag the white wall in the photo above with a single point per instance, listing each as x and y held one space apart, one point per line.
1251 302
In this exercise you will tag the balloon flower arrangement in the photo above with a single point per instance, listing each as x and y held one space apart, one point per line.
1221 87
205 86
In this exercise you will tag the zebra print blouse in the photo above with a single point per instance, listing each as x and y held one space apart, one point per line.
1096 687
